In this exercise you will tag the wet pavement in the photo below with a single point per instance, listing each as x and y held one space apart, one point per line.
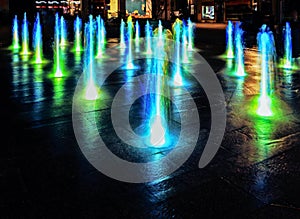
44 174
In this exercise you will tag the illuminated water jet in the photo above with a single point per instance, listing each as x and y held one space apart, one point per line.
191 27
25 36
148 32
15 30
37 40
91 92
229 39
100 37
266 48
137 36
177 33
239 50
77 31
63 32
130 39
157 126
184 43
58 71
122 35
288 58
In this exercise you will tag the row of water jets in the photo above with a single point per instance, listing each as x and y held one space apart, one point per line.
93 40
267 54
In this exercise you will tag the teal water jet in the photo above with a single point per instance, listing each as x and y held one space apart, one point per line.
137 36
58 71
91 92
25 36
63 32
229 39
38 40
148 32
191 28
288 58
177 34
129 39
158 125
15 30
266 48
184 43
239 50
122 35
100 37
77 32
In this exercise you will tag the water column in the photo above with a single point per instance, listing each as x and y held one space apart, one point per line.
77 31
130 28
58 71
15 30
177 34
184 42
191 27
148 32
157 130
266 48
91 92
122 35
38 40
100 41
25 36
288 58
137 36
63 32
229 39
239 50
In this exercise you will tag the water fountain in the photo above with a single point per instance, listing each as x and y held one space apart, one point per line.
63 32
157 122
229 39
177 34
91 92
266 49
37 40
77 31
137 36
239 51
25 36
148 32
184 43
100 37
57 65
288 58
15 30
191 27
130 39
122 35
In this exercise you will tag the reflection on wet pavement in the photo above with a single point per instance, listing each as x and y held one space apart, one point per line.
254 174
